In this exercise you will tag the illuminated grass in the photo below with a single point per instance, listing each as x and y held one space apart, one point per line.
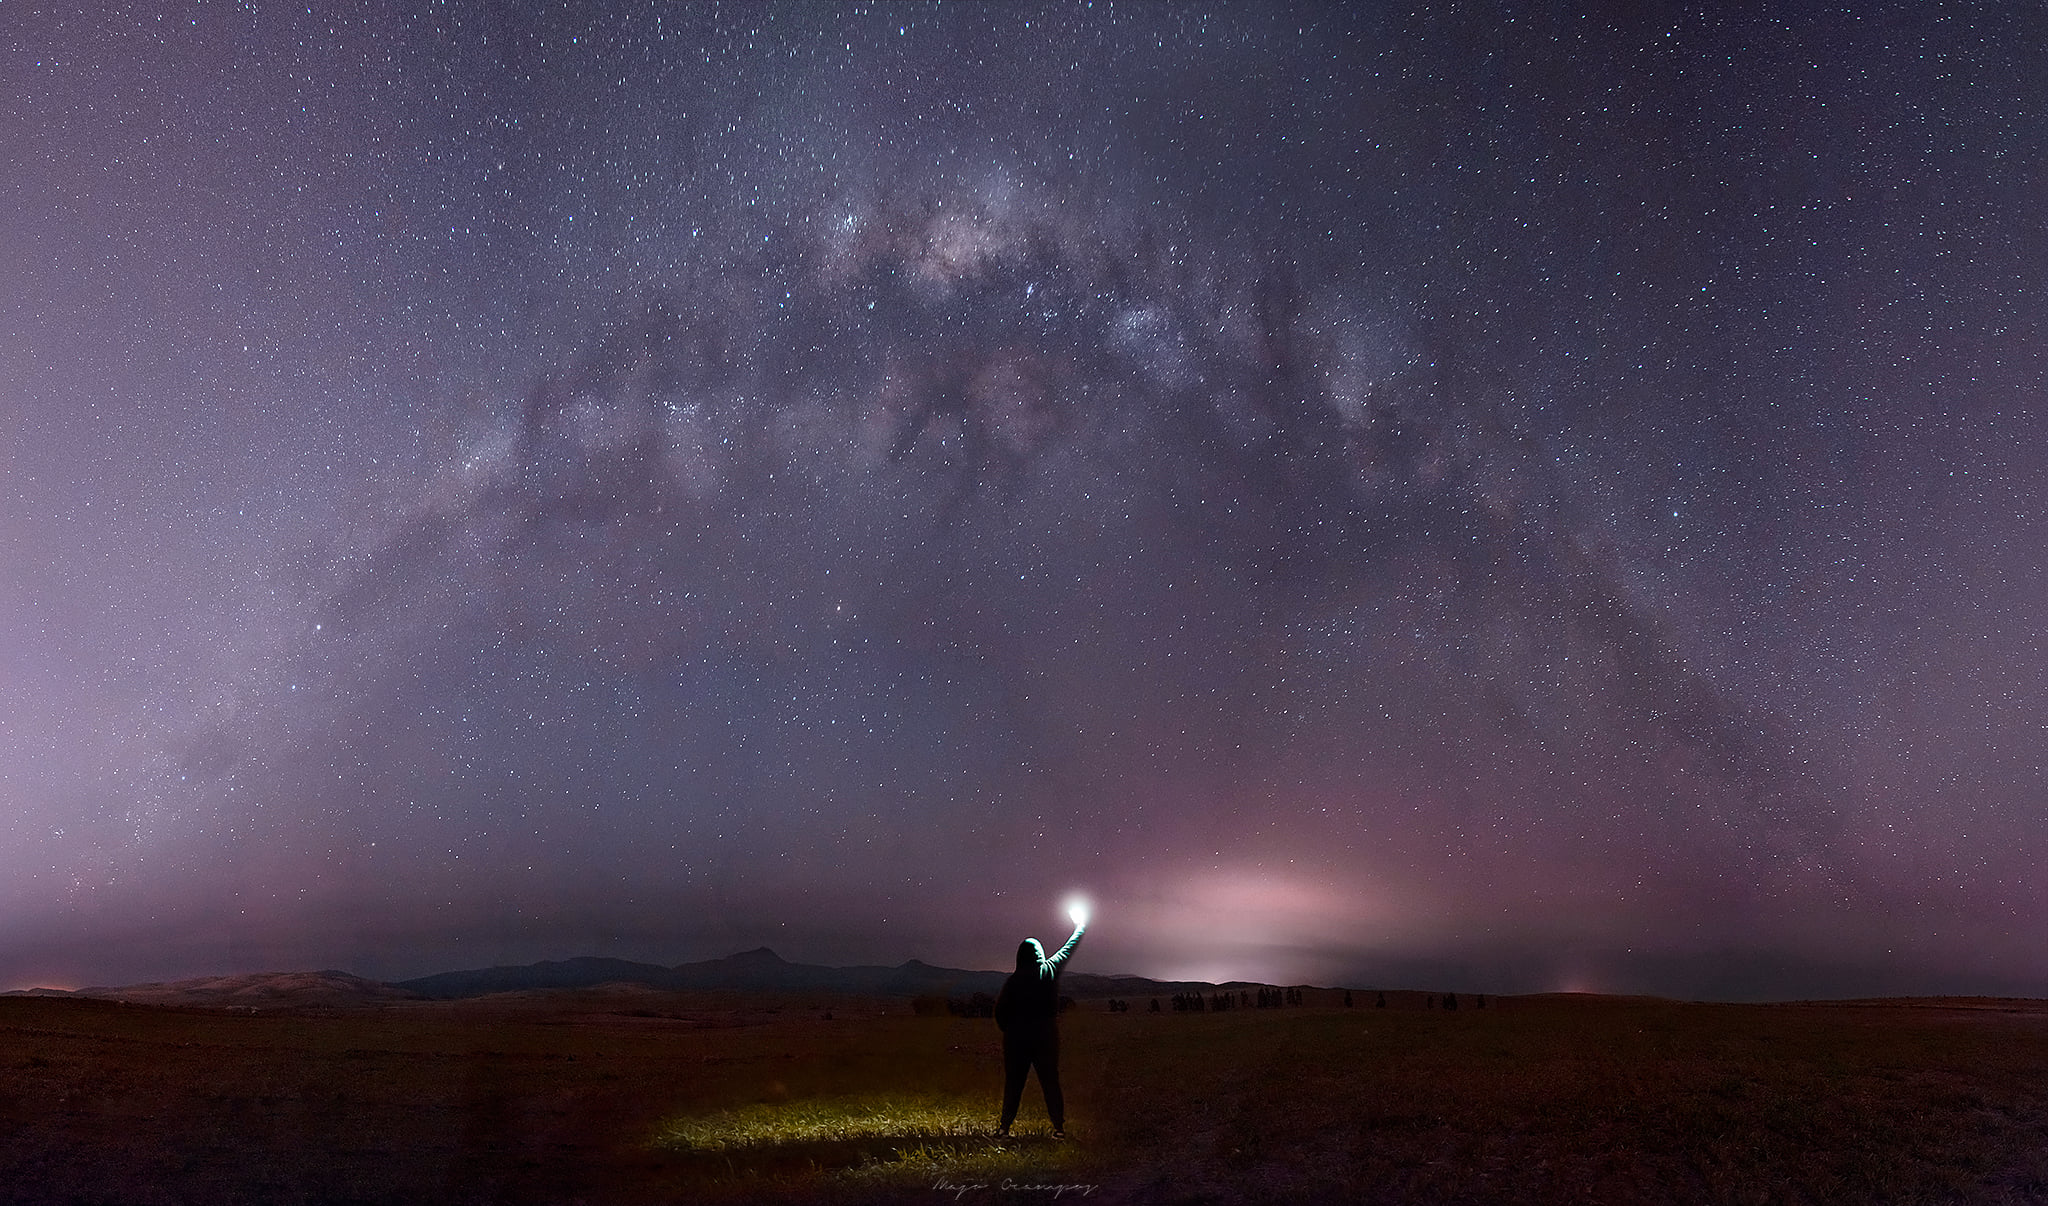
756 1127
875 1140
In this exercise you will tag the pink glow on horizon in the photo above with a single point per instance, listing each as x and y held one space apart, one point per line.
1254 923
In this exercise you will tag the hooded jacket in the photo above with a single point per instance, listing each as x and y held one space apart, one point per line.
1031 996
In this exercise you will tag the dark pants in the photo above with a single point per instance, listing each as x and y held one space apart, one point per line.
1024 1049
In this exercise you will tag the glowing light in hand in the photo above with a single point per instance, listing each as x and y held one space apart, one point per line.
1077 908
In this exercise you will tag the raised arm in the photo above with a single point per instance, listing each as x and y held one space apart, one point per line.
1053 961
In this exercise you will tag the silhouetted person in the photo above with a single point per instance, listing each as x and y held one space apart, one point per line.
1027 1012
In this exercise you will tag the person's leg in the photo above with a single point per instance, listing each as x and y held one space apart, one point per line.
1016 1062
1048 1062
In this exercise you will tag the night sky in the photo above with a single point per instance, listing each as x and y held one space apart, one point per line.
1480 499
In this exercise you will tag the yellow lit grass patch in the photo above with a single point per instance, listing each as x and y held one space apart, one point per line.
867 1140
758 1127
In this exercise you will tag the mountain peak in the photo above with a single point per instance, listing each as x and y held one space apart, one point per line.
760 955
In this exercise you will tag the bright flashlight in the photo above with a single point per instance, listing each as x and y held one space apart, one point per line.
1077 908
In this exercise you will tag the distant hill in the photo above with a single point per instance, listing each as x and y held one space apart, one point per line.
762 970
584 972
758 970
263 990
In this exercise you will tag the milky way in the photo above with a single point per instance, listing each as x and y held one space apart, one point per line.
1369 498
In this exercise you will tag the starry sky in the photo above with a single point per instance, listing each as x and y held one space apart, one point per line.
1467 497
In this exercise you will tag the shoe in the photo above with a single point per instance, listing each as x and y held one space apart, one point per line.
1057 1133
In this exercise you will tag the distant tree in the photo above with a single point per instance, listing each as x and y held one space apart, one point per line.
1155 1005
1429 1002
1380 1001
1482 1001
1347 998
1450 1000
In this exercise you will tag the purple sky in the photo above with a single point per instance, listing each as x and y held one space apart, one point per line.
1442 500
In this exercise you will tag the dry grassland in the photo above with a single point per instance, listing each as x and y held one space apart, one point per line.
635 1097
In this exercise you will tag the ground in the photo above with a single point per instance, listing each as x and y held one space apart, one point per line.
629 1096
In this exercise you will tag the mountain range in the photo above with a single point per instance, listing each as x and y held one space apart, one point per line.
758 970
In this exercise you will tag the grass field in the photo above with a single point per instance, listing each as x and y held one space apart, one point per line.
637 1097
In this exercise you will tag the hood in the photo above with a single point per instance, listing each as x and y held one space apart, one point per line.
1030 955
